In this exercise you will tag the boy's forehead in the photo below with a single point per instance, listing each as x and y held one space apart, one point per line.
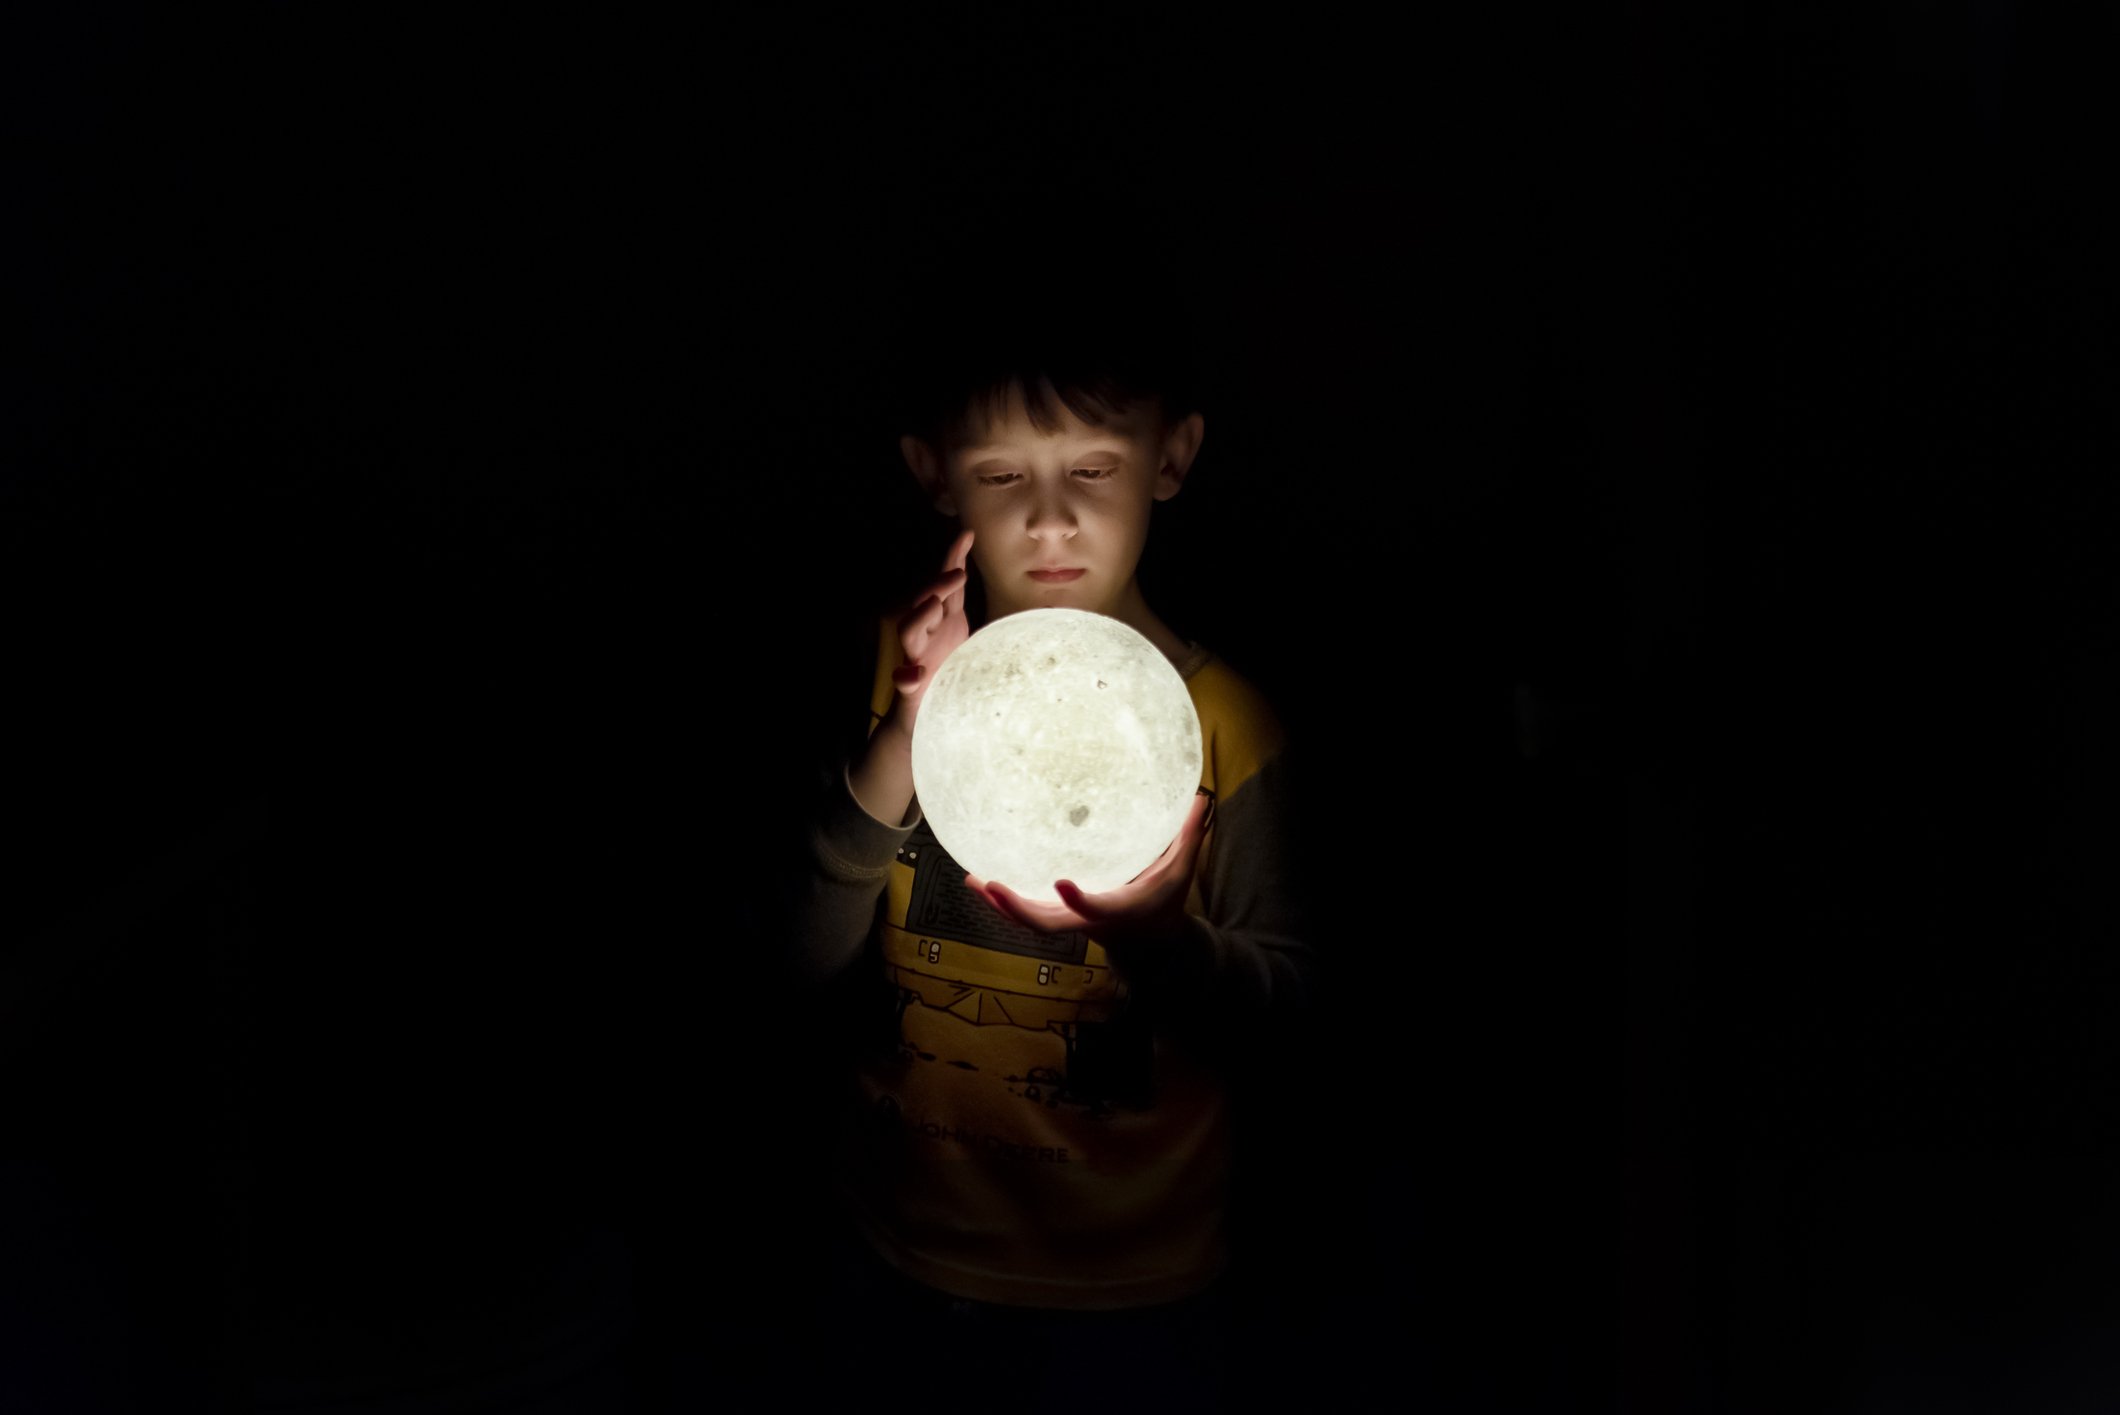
990 430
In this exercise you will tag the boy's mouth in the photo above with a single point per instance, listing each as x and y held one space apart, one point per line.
1056 577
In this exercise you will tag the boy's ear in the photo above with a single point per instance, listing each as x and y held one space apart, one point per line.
927 470
1180 446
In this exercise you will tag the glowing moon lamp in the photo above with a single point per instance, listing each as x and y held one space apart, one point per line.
1056 744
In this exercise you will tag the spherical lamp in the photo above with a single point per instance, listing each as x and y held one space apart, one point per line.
1056 744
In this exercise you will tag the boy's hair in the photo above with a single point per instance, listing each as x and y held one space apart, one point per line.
1080 317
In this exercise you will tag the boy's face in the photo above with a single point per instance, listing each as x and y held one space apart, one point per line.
1060 518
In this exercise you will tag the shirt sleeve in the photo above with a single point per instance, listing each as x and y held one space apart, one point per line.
840 879
1246 958
1261 959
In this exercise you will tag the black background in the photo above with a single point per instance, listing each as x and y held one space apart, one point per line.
1659 463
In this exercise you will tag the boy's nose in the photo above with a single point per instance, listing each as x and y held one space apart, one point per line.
1051 519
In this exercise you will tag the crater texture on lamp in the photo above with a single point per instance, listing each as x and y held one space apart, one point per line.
1056 744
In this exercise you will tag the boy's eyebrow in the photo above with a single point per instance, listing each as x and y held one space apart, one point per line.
995 451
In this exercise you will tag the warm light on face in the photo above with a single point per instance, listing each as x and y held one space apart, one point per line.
1056 744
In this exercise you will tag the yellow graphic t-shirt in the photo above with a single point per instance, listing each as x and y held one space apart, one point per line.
1030 1128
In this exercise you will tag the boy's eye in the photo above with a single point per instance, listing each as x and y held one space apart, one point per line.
1007 478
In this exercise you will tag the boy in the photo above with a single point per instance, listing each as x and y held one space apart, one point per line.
1043 1130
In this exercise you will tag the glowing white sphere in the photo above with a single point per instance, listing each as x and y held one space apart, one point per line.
1056 744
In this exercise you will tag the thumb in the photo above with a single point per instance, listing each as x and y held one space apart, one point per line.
1197 820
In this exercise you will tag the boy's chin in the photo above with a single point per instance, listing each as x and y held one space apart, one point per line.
1078 594
1070 596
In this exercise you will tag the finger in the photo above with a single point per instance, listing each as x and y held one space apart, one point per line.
986 891
1198 819
1184 846
930 608
1195 827
921 622
1032 916
1072 896
1004 899
1189 832
960 551
906 677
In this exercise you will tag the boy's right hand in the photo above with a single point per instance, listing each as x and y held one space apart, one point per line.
930 632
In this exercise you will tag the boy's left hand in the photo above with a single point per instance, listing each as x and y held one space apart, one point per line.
1151 904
